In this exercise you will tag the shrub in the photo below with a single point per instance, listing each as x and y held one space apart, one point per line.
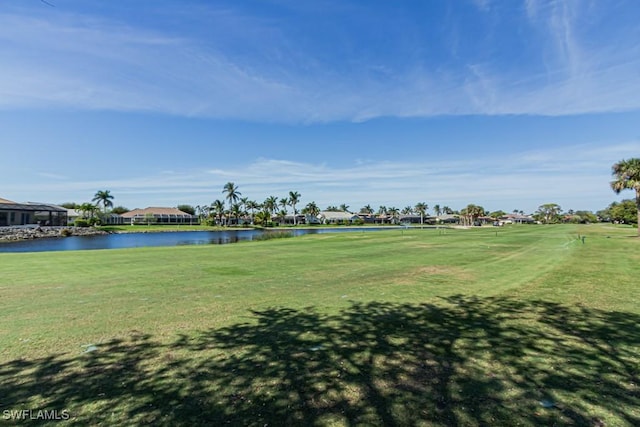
81 222
66 232
273 235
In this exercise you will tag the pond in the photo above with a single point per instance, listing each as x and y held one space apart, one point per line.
171 238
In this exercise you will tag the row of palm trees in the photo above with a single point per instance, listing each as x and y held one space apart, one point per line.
625 172
234 206
258 212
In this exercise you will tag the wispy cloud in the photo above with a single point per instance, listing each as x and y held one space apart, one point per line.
55 176
86 62
575 177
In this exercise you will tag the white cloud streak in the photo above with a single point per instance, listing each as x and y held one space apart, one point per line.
575 177
75 61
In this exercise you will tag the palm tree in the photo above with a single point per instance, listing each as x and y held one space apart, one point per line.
312 209
88 210
421 208
282 215
218 209
270 204
232 193
243 203
294 199
344 208
283 203
103 197
366 210
332 208
236 210
263 217
393 211
471 213
627 174
437 210
201 211
252 205
382 213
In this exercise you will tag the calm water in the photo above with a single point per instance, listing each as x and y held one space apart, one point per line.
137 240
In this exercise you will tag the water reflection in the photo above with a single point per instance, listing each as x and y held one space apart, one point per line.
173 238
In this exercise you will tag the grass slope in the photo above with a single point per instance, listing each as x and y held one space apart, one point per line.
520 326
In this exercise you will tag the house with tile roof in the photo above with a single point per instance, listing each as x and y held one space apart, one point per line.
159 215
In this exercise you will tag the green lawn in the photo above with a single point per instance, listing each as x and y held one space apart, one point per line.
525 325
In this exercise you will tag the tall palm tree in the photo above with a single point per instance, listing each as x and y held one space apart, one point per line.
393 211
627 174
236 211
436 210
270 204
252 205
294 199
232 193
217 207
243 203
367 209
382 213
312 209
103 197
283 203
421 208
282 215
344 207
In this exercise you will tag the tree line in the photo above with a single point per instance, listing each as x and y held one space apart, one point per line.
232 206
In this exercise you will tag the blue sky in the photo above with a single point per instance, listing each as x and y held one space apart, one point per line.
506 104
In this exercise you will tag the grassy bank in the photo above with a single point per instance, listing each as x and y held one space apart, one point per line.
526 325
155 228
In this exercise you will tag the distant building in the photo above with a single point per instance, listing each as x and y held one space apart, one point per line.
12 213
290 219
415 219
158 215
448 219
517 219
332 217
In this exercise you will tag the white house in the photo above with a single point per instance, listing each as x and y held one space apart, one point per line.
331 217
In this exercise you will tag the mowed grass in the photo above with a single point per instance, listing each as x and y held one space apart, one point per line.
524 325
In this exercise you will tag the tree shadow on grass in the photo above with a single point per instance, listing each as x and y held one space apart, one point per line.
461 361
